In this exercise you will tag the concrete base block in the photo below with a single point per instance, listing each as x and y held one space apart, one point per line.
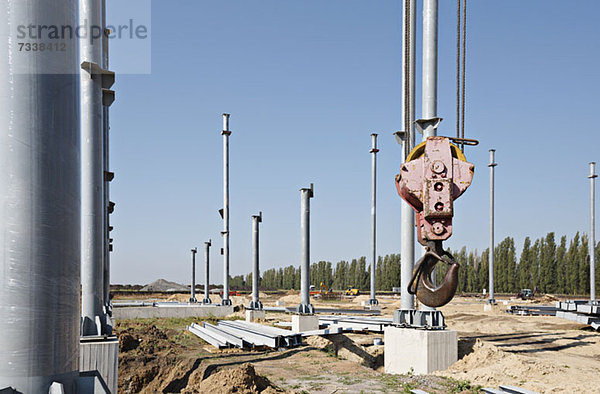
301 323
99 357
145 312
279 303
419 351
487 307
253 314
371 307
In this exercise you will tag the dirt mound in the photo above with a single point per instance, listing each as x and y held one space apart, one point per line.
127 342
164 285
489 366
242 379
291 298
181 297
359 299
548 298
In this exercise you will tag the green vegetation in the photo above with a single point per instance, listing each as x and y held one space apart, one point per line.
553 268
462 386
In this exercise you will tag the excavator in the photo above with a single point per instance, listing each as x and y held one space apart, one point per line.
323 290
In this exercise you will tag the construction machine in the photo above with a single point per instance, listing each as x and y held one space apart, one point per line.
352 291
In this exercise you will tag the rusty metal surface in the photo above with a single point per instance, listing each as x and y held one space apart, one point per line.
421 284
435 175
430 184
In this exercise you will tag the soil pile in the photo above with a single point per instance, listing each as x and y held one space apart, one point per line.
490 366
359 299
164 285
291 298
242 379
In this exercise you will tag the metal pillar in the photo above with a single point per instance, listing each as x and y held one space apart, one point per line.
108 175
193 287
206 299
255 304
373 151
429 122
491 255
40 203
92 175
305 307
407 231
592 241
225 133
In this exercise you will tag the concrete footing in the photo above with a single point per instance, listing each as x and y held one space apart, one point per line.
279 303
301 323
370 307
419 351
254 314
144 312
98 363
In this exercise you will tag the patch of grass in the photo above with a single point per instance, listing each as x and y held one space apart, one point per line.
311 377
392 382
348 381
173 323
462 386
407 387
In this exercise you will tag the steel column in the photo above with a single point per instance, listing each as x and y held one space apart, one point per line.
193 287
40 217
92 175
108 176
373 151
226 133
255 304
491 255
206 299
430 121
407 230
430 65
305 307
592 240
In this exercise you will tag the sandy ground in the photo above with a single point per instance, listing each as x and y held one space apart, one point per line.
544 354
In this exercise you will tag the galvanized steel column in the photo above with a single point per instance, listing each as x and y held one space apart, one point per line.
193 287
39 202
430 65
108 176
592 241
373 151
255 304
206 299
491 255
92 174
407 230
226 133
305 306
429 119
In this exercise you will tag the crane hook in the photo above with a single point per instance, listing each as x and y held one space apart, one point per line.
421 284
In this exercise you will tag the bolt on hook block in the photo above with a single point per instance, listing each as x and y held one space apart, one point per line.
434 175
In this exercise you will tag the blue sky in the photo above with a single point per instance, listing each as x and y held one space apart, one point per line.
306 84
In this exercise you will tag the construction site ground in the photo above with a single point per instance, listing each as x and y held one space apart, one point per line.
540 353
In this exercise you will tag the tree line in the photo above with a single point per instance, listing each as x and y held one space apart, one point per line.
551 266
